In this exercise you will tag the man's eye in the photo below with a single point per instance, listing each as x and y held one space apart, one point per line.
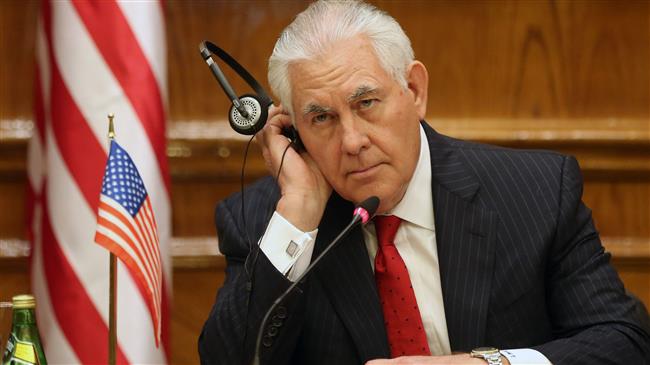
367 103
321 118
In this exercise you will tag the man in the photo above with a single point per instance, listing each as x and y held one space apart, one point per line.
475 245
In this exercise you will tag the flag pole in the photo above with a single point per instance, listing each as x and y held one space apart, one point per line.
112 290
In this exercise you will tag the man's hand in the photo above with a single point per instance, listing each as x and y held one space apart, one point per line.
303 188
431 360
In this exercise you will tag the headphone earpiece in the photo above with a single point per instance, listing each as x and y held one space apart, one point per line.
256 105
257 115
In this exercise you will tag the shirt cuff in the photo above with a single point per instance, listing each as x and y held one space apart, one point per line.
288 248
525 357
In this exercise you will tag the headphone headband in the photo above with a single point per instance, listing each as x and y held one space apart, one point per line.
207 48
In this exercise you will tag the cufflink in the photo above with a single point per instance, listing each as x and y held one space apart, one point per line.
292 249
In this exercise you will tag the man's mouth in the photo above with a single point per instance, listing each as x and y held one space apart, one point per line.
364 172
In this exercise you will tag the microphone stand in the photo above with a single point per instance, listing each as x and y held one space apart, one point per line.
355 220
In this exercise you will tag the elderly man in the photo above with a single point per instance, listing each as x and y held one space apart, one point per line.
473 246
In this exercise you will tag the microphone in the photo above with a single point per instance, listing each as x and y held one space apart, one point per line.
362 214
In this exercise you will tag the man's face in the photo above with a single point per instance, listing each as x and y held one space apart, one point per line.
358 124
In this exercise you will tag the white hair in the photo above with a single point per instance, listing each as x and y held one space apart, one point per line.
325 22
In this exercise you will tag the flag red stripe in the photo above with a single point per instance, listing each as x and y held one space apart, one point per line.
140 281
135 231
146 244
152 220
151 246
149 242
77 316
101 221
73 135
166 303
124 256
106 23
115 213
72 132
138 249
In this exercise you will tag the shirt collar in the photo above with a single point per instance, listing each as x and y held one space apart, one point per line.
417 204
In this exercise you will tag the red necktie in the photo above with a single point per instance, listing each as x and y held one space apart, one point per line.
404 327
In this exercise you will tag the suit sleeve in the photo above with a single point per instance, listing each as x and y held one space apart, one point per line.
594 319
249 290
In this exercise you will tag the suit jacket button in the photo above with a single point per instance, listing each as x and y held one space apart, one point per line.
267 341
281 312
272 331
276 321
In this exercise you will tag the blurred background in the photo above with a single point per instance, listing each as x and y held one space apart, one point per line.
569 76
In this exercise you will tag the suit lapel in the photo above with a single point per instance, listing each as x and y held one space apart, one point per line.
465 236
347 276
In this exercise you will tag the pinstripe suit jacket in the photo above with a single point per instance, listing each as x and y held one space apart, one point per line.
521 265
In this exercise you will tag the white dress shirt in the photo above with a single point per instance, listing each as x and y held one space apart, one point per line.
416 243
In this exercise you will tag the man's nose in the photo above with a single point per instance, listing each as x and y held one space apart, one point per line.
354 135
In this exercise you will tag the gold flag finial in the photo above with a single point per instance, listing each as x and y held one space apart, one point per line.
111 128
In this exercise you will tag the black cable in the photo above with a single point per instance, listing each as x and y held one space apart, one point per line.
249 277
241 182
268 218
251 247
277 176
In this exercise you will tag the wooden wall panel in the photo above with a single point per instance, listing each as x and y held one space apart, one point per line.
193 206
15 278
621 208
194 294
501 59
537 58
531 58
636 278
245 29
204 172
485 58
13 187
12 208
17 39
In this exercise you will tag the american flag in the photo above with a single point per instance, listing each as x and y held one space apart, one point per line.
126 226
95 58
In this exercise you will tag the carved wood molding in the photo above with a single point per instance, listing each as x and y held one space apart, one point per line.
187 253
203 252
209 149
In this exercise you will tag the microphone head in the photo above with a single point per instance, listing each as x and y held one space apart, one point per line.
367 208
205 53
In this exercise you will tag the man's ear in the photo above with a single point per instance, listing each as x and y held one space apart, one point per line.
417 79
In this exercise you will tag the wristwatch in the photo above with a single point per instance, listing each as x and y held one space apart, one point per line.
489 354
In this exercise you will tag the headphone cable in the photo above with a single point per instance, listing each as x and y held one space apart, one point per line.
251 247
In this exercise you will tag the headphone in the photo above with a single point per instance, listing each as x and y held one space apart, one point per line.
249 112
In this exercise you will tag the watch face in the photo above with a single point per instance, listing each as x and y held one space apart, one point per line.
484 351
